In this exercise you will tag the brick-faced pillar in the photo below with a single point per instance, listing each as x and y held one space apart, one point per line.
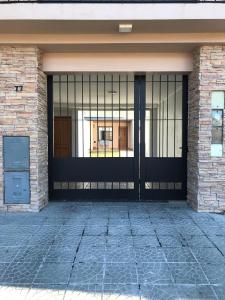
25 114
206 174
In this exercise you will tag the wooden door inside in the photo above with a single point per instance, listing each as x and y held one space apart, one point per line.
62 136
123 138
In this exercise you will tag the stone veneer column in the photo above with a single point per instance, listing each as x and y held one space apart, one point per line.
25 113
206 174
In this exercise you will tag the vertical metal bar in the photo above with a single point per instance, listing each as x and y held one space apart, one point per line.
67 95
136 134
112 113
119 116
50 133
97 125
104 118
112 118
167 107
142 135
163 129
90 114
175 107
184 132
152 129
60 96
126 115
119 134
60 99
82 97
97 116
74 118
75 110
159 114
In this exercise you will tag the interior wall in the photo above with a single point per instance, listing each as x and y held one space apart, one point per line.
118 62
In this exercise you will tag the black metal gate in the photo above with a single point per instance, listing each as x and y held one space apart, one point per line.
117 136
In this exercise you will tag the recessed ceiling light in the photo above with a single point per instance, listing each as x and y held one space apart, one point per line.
125 27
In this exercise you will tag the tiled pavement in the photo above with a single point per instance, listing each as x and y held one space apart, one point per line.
94 251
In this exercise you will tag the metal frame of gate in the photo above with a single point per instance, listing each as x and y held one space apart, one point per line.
166 175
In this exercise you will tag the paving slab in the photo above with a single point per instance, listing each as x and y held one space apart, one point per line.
113 251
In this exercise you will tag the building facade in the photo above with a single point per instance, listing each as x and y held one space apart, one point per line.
112 101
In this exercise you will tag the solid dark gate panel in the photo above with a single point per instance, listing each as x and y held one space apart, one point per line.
163 151
92 132
117 136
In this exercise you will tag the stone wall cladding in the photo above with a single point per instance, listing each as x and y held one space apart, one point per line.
206 174
25 113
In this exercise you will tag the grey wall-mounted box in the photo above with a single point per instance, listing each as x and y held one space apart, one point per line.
16 153
17 187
